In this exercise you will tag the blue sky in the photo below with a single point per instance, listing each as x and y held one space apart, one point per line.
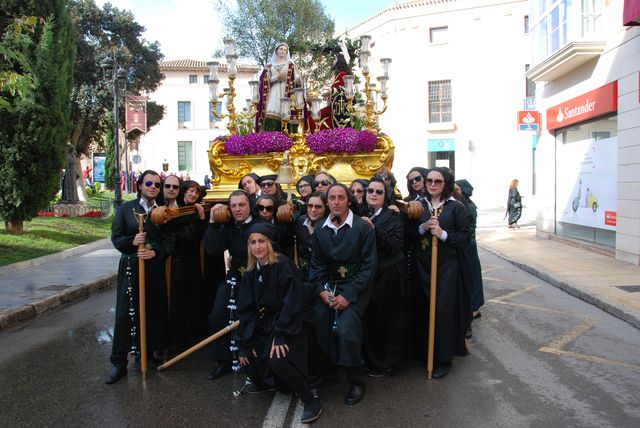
190 28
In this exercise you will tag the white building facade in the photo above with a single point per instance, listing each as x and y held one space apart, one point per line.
457 82
182 138
587 71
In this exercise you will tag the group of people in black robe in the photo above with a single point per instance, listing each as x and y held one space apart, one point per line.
344 284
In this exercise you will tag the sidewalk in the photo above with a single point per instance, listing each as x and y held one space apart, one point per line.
48 282
31 288
601 280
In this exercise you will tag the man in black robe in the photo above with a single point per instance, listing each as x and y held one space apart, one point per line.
343 262
126 238
217 239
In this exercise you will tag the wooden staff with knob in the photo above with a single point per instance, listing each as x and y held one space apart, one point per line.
142 305
432 299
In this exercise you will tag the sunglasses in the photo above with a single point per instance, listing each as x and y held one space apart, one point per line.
152 183
267 208
357 190
304 185
171 186
376 191
436 182
267 184
417 179
314 207
321 182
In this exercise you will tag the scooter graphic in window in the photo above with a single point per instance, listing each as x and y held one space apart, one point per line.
589 200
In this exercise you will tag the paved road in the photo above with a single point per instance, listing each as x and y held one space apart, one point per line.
539 358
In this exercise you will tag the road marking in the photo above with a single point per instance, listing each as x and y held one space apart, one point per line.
514 293
277 411
535 308
580 329
586 357
297 416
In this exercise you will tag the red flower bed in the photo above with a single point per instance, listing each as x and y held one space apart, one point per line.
46 214
92 213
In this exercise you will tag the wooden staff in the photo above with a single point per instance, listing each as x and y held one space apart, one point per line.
167 280
432 300
142 306
199 345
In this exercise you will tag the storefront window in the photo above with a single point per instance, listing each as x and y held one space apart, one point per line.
586 180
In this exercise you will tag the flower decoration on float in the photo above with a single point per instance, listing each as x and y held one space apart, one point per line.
263 142
341 140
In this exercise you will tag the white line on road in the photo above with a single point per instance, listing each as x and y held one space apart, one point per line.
277 411
297 415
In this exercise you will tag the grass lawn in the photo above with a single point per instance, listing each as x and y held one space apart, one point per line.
47 235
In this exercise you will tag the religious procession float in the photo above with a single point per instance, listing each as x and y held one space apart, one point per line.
293 134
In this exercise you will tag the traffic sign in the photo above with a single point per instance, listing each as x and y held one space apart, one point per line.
530 103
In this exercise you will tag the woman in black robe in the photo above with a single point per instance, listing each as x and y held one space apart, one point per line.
271 344
187 305
453 312
306 225
514 205
383 318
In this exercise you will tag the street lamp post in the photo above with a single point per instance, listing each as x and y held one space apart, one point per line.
117 81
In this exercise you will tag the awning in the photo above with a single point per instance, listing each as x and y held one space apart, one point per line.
631 14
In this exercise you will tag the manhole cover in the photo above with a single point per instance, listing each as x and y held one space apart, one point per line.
54 287
630 288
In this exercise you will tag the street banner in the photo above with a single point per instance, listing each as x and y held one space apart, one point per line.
136 113
586 182
98 167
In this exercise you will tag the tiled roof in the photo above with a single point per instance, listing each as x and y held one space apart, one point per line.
244 64
405 5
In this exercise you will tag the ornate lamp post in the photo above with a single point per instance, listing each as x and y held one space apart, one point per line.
117 82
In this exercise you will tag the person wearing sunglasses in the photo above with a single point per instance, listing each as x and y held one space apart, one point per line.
383 345
305 226
322 181
451 228
343 262
268 186
170 190
416 179
218 238
305 187
358 188
266 208
126 238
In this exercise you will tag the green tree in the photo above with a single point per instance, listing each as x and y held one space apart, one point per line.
36 125
102 32
258 25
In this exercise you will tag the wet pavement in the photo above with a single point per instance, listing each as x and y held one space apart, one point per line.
539 357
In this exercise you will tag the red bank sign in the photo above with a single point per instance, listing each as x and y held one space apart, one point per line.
586 106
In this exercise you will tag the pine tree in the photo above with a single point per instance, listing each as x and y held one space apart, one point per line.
37 127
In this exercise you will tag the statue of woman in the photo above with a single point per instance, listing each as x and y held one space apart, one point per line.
276 81
69 193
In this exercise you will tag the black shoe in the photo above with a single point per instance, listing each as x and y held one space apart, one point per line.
468 333
441 370
355 394
476 315
220 370
116 374
378 373
254 388
311 411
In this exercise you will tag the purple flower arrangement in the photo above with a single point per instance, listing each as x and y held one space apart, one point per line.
341 140
263 142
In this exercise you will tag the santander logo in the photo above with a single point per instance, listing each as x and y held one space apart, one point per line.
560 116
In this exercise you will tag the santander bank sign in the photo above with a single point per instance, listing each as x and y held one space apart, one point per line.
584 107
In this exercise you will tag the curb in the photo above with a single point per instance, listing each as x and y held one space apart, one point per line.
16 317
570 289
75 251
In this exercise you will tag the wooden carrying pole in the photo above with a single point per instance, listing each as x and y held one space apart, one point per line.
432 302
200 345
142 306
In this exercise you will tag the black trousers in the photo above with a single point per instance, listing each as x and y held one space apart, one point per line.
260 369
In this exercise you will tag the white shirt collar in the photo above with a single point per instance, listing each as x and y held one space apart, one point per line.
145 204
329 223
378 211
